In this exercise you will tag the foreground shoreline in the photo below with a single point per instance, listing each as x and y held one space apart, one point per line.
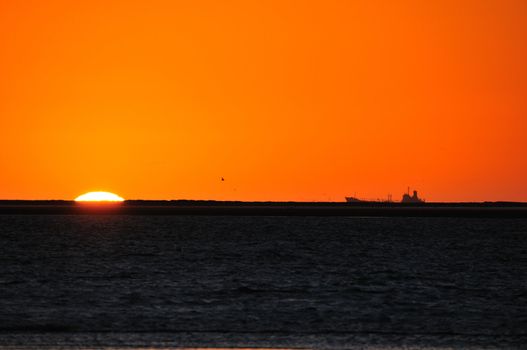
212 208
254 341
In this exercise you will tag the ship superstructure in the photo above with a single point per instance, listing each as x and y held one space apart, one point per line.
414 198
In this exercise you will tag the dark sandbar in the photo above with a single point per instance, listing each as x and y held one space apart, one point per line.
372 209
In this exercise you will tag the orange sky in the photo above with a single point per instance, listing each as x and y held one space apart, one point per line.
287 100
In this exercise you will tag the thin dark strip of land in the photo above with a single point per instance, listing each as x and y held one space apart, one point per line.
187 207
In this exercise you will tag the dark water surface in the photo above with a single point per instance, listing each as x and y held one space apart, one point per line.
331 282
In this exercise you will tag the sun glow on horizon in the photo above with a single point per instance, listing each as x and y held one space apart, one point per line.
99 196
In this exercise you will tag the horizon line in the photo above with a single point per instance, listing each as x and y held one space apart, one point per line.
271 201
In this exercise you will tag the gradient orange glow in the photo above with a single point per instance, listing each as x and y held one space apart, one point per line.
286 100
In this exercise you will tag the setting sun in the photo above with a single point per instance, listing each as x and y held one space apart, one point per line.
99 197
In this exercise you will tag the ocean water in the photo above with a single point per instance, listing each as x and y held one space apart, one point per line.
317 282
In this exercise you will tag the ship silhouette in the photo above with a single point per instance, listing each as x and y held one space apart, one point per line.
407 198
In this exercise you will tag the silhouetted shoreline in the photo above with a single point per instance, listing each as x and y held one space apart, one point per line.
188 207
